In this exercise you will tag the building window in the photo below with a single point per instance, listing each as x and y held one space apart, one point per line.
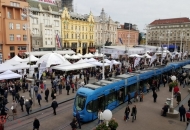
72 36
8 15
18 37
11 37
56 23
35 21
24 37
11 26
46 42
17 26
21 47
51 43
15 4
24 27
86 37
12 48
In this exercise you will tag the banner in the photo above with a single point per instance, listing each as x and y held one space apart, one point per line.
137 60
153 58
42 69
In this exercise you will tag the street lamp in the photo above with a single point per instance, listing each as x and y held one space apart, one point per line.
107 115
168 38
181 41
173 78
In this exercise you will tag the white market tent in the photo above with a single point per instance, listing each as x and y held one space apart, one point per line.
87 56
67 56
135 55
115 62
5 66
14 61
107 61
91 60
9 75
16 58
74 57
52 59
31 58
99 64
23 66
41 53
81 64
91 54
147 55
11 62
79 55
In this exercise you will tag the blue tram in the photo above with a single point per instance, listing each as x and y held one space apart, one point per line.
110 93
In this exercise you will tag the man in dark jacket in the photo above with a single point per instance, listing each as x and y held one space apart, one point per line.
39 97
36 124
54 105
129 98
182 113
46 94
68 88
154 96
21 103
27 105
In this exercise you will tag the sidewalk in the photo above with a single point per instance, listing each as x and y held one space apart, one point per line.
35 107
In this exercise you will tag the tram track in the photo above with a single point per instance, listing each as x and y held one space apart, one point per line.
25 121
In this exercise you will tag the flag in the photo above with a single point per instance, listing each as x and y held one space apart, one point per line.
58 41
137 59
153 58
120 40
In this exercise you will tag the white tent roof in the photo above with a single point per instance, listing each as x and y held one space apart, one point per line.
15 60
91 60
41 53
98 55
135 55
98 63
9 75
90 54
186 67
74 57
79 55
87 56
31 58
5 66
146 55
52 59
11 62
115 62
67 56
81 61
23 66
107 61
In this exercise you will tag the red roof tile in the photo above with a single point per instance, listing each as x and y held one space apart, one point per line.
170 21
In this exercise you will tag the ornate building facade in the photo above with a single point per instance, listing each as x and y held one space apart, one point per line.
105 29
45 24
77 31
175 31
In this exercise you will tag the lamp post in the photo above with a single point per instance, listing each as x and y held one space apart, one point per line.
173 78
107 115
168 39
181 41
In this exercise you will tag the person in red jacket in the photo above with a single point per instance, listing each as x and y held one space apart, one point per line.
176 90
42 87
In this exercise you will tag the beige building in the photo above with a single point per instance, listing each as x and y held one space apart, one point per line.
13 36
166 32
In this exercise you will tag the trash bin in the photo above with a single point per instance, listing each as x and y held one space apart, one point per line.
168 101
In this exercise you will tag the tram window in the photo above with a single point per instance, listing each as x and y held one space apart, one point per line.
80 102
89 107
132 88
110 98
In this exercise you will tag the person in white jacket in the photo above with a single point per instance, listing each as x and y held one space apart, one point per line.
100 120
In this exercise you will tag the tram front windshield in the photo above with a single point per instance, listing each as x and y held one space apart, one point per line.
80 102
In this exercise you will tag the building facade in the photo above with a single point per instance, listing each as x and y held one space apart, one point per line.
13 36
128 37
77 32
105 29
45 25
173 31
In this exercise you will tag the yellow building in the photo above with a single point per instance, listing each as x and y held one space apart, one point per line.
77 32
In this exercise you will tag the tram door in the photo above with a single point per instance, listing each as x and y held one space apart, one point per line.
121 95
101 102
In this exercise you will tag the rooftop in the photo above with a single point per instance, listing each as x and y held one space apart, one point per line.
170 21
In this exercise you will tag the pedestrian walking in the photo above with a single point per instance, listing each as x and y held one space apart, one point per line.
36 90
39 98
127 111
27 106
165 110
189 103
182 113
155 96
100 116
46 94
178 97
74 124
13 107
21 103
31 102
134 113
68 88
60 88
36 124
136 97
141 96
78 119
129 99
54 105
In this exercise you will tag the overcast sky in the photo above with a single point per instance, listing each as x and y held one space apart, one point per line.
139 12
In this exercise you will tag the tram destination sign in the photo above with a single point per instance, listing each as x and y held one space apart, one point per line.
47 1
